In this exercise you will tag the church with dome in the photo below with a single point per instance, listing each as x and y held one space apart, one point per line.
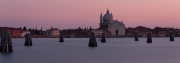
117 28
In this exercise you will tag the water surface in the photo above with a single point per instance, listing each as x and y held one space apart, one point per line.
76 50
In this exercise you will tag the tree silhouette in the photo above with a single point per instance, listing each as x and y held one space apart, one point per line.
90 28
24 28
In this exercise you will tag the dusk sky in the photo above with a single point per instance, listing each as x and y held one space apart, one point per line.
65 14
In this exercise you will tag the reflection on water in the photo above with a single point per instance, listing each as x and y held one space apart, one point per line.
6 57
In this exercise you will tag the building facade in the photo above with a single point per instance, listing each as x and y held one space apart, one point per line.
79 32
15 32
116 27
24 32
53 32
142 31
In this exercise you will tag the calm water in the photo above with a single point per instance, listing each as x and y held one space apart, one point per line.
76 50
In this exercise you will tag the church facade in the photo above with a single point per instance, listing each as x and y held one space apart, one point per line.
116 27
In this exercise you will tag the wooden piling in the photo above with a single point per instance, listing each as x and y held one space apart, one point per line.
6 42
0 47
28 40
171 37
9 42
61 38
149 38
103 38
136 37
92 40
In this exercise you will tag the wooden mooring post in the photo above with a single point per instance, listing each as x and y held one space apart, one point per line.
136 37
171 37
149 38
6 42
28 40
61 38
103 38
92 40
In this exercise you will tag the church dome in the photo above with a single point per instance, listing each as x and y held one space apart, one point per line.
107 17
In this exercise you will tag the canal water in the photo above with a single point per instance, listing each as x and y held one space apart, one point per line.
76 50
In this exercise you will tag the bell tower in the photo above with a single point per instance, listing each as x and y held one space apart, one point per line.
101 17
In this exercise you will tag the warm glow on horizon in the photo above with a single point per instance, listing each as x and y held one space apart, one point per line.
65 14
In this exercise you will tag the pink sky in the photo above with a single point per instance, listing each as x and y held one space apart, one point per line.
65 14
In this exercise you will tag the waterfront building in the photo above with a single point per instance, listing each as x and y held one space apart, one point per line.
53 32
142 31
15 32
99 32
24 32
160 32
116 27
165 31
156 32
79 32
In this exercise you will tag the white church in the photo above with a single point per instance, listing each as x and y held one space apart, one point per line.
116 27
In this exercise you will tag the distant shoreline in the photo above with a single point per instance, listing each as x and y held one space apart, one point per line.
98 37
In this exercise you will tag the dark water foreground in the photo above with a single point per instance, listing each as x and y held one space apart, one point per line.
76 50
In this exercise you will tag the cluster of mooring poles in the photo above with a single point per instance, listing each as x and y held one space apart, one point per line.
61 38
28 40
92 40
103 38
171 37
149 37
136 37
6 42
